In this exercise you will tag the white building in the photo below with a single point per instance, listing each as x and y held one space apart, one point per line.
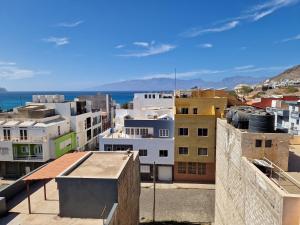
87 123
31 136
148 128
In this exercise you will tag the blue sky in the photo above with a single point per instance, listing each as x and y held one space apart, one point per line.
74 45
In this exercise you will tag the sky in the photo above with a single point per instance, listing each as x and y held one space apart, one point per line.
78 44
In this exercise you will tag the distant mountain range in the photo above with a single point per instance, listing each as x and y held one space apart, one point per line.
291 74
2 90
162 84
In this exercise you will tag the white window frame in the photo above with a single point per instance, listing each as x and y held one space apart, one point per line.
164 133
202 149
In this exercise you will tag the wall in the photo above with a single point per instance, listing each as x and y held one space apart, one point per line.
70 138
153 145
155 124
244 195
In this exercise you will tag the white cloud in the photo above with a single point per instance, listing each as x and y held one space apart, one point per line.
119 46
70 24
7 63
243 67
206 45
149 49
141 44
16 73
253 14
194 32
58 41
295 38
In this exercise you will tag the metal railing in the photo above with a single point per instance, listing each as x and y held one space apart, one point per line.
28 157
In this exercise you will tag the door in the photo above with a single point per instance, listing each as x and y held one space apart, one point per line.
165 173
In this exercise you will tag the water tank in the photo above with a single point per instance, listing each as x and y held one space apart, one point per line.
261 122
229 115
240 119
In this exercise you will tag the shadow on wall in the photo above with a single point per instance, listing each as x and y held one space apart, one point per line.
294 162
173 223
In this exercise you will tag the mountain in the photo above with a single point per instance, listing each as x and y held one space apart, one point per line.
291 74
162 84
2 90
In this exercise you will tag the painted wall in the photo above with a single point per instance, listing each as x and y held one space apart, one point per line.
64 144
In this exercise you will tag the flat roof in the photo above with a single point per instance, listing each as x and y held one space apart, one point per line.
101 165
49 123
27 123
44 212
11 123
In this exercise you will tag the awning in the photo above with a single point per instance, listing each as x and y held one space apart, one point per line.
54 168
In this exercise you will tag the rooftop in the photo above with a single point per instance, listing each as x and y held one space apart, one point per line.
101 165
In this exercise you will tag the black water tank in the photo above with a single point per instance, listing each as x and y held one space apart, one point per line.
240 119
261 122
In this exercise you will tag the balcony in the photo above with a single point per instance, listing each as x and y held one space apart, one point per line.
295 115
30 152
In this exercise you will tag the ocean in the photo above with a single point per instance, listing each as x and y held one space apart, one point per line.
9 100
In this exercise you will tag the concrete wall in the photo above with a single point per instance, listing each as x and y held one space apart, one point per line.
244 195
85 197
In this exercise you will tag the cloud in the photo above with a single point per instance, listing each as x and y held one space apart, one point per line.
194 32
58 41
119 46
141 44
255 13
7 63
16 73
206 45
149 49
70 24
243 67
251 69
295 38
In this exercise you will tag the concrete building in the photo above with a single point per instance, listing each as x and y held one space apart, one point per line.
31 136
84 188
148 128
195 138
85 121
253 185
104 103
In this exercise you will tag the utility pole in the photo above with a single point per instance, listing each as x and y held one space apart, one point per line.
154 181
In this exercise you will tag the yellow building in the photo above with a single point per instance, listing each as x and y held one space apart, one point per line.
195 133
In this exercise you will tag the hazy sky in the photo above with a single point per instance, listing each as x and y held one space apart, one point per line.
74 45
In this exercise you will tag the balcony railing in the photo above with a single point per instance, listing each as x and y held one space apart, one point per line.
28 157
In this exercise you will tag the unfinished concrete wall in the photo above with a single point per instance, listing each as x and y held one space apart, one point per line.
244 195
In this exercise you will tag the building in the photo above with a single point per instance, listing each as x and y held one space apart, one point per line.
195 133
148 128
104 103
85 121
79 188
31 136
253 185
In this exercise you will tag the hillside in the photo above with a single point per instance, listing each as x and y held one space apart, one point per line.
2 90
161 84
291 74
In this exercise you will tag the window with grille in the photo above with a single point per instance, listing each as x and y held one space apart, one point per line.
203 132
192 168
201 168
183 151
181 167
203 151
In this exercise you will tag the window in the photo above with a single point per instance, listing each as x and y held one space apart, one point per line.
258 143
137 131
127 131
184 110
38 149
195 110
24 149
132 131
163 153
23 134
183 151
149 96
143 152
6 134
201 168
183 131
203 132
202 151
58 130
153 96
89 135
192 168
164 133
268 143
181 167
146 96
144 132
